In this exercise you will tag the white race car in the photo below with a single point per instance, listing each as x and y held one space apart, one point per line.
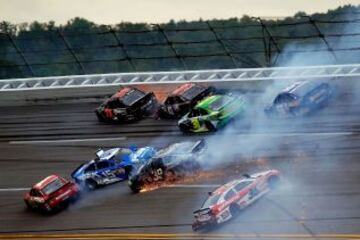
227 200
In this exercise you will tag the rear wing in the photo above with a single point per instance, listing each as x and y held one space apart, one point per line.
202 211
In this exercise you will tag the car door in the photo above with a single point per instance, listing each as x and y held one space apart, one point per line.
106 171
118 170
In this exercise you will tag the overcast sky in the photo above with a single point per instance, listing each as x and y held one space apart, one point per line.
115 11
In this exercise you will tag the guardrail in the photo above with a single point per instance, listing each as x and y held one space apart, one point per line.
208 76
30 91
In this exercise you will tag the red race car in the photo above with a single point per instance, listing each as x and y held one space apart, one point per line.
226 201
51 193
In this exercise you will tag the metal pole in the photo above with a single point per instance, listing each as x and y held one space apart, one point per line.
322 36
18 51
121 45
67 45
272 39
177 55
222 44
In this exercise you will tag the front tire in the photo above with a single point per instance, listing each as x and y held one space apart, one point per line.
91 185
210 126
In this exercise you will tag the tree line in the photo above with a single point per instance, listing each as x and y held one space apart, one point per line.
84 47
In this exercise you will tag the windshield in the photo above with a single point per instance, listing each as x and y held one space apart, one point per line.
53 186
212 200
192 92
197 112
284 98
131 97
219 103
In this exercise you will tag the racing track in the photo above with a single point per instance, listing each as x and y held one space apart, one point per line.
319 157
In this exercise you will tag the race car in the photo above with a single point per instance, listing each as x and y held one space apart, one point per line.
229 199
212 113
300 99
128 104
182 99
52 193
169 164
110 166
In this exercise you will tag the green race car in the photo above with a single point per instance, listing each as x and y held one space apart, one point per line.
212 113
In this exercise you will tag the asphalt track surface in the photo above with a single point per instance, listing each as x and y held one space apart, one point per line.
318 155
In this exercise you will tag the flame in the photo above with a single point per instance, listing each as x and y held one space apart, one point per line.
221 174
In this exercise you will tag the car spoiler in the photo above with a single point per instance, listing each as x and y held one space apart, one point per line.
202 210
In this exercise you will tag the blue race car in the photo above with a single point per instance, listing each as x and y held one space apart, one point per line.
300 99
112 165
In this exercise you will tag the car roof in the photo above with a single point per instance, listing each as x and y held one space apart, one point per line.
300 89
108 154
224 188
207 102
121 92
181 89
40 185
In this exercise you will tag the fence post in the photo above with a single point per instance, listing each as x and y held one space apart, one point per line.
177 55
18 51
322 36
272 40
122 47
228 53
67 45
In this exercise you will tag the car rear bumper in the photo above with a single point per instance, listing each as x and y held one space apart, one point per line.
199 225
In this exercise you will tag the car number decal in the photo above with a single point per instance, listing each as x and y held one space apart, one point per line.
196 124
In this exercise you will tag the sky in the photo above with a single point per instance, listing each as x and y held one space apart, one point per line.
155 11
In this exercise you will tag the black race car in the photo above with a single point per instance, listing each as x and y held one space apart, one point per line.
128 104
169 164
300 99
182 99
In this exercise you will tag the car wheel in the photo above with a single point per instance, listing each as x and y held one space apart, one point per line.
210 126
48 209
273 182
128 170
76 197
170 175
135 188
234 210
28 206
91 184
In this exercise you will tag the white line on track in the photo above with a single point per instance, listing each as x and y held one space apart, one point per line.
13 189
300 134
68 140
124 138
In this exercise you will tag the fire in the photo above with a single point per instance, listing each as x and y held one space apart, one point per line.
189 179
220 175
